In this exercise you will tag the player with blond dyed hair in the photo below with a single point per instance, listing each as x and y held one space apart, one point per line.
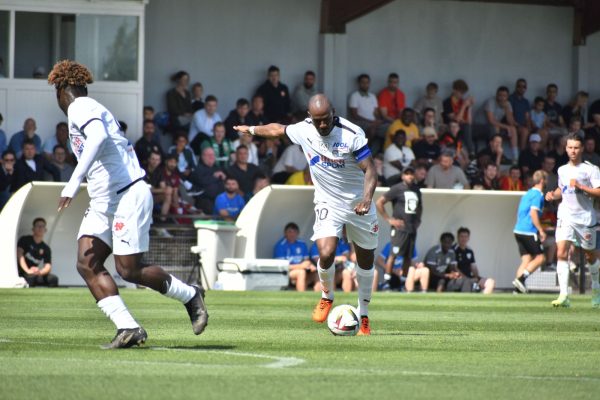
120 212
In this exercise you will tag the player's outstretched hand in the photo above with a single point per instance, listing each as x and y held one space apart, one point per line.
64 202
362 208
242 129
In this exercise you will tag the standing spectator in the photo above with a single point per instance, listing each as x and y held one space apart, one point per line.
444 274
179 102
405 220
553 110
35 257
466 264
427 150
7 176
59 160
61 137
220 144
577 109
197 93
397 157
391 100
496 116
407 124
147 144
488 180
432 101
459 109
445 175
302 93
362 106
238 116
244 172
186 160
521 111
31 167
302 272
589 151
512 181
229 204
276 96
203 122
292 160
28 132
209 179
164 195
3 143
532 157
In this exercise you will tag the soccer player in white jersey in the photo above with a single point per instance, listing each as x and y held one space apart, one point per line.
578 184
344 176
120 212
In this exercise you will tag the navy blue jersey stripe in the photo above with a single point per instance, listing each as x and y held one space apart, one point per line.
362 153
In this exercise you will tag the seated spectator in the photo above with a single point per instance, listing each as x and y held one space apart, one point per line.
31 167
186 160
244 172
553 110
420 176
28 132
417 272
539 120
429 120
179 102
342 257
300 178
237 116
363 108
260 182
159 123
208 179
229 204
302 272
256 115
220 144
444 274
495 150
292 160
548 166
7 176
276 96
172 178
451 140
577 109
391 100
197 93
589 151
465 261
397 157
407 124
246 140
430 101
488 180
3 142
147 143
593 118
531 159
477 166
512 182
575 127
61 136
302 93
459 109
445 175
560 152
201 127
521 111
428 150
35 257
164 195
267 150
59 160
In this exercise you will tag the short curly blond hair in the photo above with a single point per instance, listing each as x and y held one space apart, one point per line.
69 73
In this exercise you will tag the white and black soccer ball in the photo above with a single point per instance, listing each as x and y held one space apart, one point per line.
343 320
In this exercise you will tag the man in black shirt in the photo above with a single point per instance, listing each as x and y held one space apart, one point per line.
532 158
237 116
276 96
34 257
405 220
465 260
244 172
147 144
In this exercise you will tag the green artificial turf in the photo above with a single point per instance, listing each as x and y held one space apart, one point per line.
263 345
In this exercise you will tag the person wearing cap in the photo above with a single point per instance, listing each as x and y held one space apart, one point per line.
427 150
532 158
405 220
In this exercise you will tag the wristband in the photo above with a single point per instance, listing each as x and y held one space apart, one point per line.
251 130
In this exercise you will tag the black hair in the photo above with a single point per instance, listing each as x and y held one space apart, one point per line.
148 108
551 86
393 75
273 68
432 85
28 141
178 75
291 225
309 73
426 110
242 102
538 99
210 97
39 219
241 146
362 76
575 136
446 235
7 152
502 89
62 123
463 229
122 125
59 146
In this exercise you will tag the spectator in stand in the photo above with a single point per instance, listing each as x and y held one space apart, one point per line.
476 167
267 149
197 93
496 116
209 179
238 116
35 257
593 119
302 93
260 182
147 144
451 140
3 142
229 204
444 274
407 124
445 175
302 272
539 120
363 110
466 264
428 150
577 109
61 136
521 111
391 100
256 115
575 127
553 110
276 96
148 114
430 120
431 101
172 178
59 160
397 157
31 167
28 132
459 109
246 140
300 178
220 144
531 159
548 166
244 172
164 196
292 160
186 160
179 102
512 182
559 153
589 151
203 122
496 151
488 180
420 176
7 176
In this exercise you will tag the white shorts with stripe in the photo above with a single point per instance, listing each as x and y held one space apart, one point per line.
362 230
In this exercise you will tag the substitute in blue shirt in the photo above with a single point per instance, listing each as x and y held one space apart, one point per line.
289 247
229 204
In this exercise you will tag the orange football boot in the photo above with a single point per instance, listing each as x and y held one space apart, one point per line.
365 329
321 310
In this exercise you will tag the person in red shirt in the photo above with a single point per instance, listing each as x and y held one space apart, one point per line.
391 100
457 108
512 181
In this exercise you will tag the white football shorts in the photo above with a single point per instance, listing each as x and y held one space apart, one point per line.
362 230
125 226
582 235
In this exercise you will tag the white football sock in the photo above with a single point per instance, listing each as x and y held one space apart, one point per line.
117 311
180 291
365 288
326 277
562 270
594 271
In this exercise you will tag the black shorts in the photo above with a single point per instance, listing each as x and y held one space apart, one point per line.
403 243
529 244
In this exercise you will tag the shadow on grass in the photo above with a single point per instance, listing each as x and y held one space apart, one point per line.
418 334
196 347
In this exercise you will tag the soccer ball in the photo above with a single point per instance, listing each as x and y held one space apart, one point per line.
343 320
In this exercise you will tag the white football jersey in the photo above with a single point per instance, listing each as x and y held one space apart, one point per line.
577 207
333 160
105 157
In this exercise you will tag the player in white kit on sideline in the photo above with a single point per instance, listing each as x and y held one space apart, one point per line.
578 184
120 212
344 176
